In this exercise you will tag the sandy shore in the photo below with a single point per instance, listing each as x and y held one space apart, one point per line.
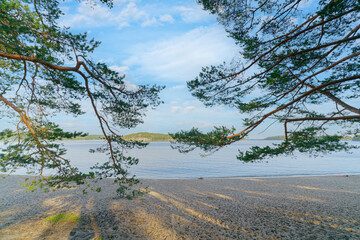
326 207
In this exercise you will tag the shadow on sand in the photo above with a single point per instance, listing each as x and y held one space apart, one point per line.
267 208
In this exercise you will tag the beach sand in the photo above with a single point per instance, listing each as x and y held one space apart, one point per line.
324 207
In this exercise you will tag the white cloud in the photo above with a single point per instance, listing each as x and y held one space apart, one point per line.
88 13
130 13
122 69
130 86
94 10
189 109
153 21
193 14
175 109
294 20
166 18
70 125
183 109
202 124
181 58
119 69
305 4
73 20
178 87
124 14
149 22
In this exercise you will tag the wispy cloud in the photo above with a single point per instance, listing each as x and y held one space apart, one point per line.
177 87
175 109
122 69
119 69
189 109
130 13
193 14
124 14
166 18
87 14
305 4
181 58
150 22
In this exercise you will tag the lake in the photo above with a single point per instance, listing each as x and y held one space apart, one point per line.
158 160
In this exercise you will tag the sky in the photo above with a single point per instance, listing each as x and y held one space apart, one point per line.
158 42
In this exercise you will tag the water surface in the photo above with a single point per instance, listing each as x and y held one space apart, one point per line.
158 160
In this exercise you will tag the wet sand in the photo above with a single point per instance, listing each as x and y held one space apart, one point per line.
321 207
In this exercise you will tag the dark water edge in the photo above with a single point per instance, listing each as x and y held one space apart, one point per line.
159 161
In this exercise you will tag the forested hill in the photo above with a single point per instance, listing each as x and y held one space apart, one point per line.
148 137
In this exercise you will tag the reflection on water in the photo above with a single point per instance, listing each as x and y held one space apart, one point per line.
158 160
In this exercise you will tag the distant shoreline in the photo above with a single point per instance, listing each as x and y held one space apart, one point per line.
98 139
160 137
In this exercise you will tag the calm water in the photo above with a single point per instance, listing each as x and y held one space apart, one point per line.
158 160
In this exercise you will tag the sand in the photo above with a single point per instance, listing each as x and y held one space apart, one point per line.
324 207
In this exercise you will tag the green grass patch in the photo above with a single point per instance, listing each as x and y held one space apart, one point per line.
62 217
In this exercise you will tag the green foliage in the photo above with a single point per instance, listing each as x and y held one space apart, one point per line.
8 135
37 83
291 59
207 141
304 141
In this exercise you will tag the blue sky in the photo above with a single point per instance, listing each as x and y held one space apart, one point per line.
160 42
